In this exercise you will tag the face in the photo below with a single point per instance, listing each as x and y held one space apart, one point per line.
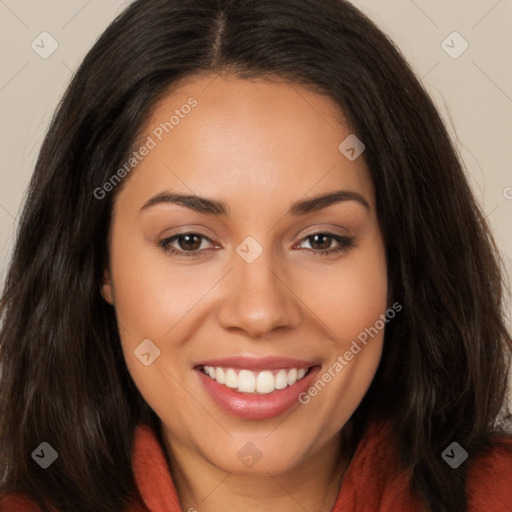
245 261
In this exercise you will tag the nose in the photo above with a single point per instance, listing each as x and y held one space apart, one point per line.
258 299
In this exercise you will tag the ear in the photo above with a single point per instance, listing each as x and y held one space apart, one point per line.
107 288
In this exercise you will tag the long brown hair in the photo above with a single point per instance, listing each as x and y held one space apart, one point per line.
63 379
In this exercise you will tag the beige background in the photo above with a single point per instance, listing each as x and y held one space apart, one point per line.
473 91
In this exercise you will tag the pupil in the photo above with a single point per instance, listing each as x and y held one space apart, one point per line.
187 242
322 241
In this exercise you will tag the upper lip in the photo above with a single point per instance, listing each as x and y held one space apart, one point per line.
253 363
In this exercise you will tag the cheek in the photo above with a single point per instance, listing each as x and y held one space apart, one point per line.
352 306
153 293
360 300
350 296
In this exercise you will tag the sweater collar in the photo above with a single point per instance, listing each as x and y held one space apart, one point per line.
388 490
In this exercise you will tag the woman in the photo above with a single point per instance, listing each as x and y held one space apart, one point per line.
250 275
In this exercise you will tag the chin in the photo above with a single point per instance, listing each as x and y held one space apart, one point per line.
259 455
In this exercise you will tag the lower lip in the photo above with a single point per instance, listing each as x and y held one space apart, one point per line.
253 406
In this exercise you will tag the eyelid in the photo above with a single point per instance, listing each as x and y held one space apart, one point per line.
187 229
333 236
165 243
344 243
326 228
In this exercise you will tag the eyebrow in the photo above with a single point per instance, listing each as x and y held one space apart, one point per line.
218 208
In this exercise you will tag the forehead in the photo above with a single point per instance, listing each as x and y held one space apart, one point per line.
251 141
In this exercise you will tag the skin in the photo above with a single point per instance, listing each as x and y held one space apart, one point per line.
258 147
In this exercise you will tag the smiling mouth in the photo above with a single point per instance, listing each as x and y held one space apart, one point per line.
258 383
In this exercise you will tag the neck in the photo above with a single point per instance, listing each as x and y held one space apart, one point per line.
313 485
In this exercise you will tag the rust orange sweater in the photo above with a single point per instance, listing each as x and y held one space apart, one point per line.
372 482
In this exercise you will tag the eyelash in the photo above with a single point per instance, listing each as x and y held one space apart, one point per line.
345 244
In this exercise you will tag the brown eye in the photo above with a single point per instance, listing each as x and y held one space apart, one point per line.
189 242
320 241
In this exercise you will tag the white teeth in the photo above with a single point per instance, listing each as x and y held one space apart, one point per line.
221 376
246 381
292 376
231 379
265 382
282 379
